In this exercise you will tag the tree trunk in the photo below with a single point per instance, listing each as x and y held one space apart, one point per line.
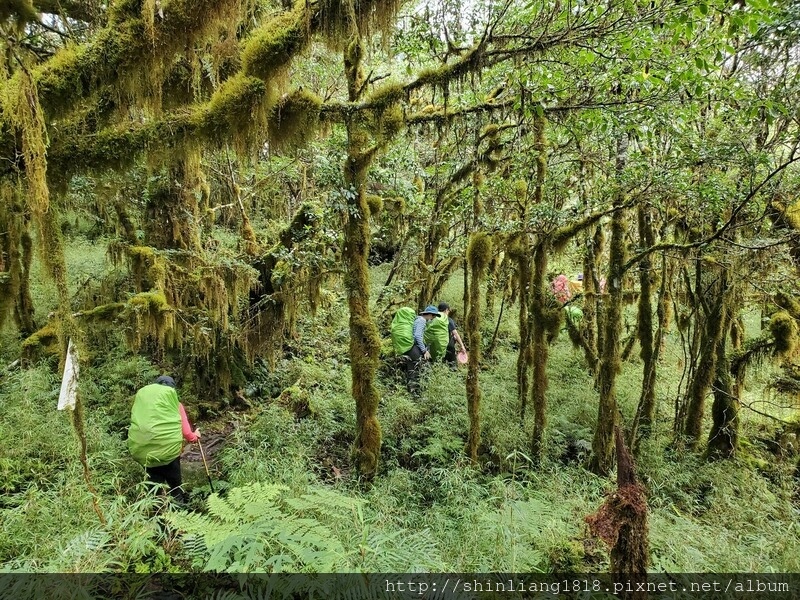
629 554
478 256
621 522
540 352
603 442
364 339
706 370
723 440
525 353
645 412
590 303
172 211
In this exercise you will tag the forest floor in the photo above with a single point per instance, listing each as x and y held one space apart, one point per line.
427 509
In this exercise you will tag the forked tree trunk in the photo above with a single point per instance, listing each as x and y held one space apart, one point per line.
713 332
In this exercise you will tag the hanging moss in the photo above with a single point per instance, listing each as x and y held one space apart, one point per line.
149 316
389 122
21 10
238 112
784 331
294 119
375 204
270 49
789 304
337 19
122 54
479 251
552 316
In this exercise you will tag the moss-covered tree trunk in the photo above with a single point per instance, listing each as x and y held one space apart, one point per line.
589 328
540 351
479 253
715 320
16 256
603 443
525 353
645 412
723 439
364 339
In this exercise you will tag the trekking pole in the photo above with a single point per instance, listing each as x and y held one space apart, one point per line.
205 464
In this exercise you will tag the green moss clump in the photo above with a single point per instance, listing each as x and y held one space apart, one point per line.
104 312
22 11
149 301
784 331
273 46
43 341
479 252
789 304
391 121
387 95
237 111
294 119
375 204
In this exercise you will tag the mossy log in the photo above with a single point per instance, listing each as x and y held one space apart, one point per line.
44 342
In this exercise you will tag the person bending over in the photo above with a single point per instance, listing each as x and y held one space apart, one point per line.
157 433
419 352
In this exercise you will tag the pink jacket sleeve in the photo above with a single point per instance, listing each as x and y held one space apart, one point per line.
188 434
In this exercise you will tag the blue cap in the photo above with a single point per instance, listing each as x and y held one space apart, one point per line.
166 380
430 310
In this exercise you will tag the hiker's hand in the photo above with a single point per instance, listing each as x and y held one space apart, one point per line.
427 355
197 433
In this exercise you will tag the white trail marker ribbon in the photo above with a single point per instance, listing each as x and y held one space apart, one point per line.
69 383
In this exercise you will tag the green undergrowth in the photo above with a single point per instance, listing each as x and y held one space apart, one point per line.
289 498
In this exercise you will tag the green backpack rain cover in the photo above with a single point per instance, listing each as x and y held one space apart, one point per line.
402 330
155 437
437 336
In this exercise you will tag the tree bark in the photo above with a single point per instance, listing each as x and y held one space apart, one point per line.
364 339
723 440
704 374
478 256
540 352
645 412
603 442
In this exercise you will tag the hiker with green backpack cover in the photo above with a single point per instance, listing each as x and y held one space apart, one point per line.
158 429
408 340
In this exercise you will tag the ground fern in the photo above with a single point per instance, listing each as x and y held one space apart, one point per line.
257 528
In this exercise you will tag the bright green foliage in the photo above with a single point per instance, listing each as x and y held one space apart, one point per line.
259 528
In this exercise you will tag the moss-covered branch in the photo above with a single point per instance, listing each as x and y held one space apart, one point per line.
126 49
